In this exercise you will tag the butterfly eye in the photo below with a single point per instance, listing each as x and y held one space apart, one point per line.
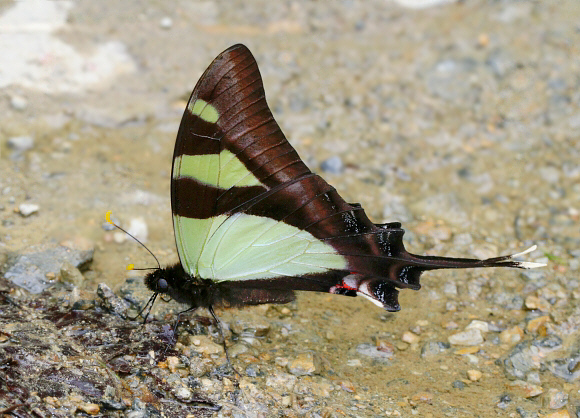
162 284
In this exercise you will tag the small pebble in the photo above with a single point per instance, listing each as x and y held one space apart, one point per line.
166 22
385 346
172 362
281 381
504 401
511 335
254 328
373 351
332 165
451 307
71 274
410 338
433 348
450 325
524 389
480 325
450 288
458 384
237 349
281 361
347 386
555 399
303 364
204 345
90 408
469 337
199 367
138 228
536 324
18 102
182 393
27 209
474 375
535 302
401 346
422 397
21 143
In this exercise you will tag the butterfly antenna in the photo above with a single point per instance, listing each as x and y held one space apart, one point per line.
131 266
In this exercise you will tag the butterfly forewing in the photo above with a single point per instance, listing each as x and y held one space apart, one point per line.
230 151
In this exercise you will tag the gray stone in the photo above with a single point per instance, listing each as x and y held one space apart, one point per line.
450 288
179 388
566 368
508 301
434 348
555 399
370 350
30 269
521 360
468 337
332 165
450 79
111 302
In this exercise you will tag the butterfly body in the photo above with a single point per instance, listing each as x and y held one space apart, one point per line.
253 224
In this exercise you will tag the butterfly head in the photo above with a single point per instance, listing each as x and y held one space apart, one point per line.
158 281
171 281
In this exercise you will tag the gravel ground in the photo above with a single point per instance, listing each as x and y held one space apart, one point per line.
461 119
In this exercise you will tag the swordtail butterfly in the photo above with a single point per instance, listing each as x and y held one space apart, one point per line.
253 224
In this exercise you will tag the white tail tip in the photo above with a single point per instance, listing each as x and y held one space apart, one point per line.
530 264
529 250
527 264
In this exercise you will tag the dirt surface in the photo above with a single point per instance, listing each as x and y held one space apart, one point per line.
462 120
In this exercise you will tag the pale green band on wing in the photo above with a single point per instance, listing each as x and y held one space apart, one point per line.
223 170
248 247
204 110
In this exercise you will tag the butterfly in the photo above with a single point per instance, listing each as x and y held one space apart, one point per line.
253 224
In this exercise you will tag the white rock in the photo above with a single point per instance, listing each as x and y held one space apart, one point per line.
18 102
468 337
21 143
166 22
138 228
27 209
480 325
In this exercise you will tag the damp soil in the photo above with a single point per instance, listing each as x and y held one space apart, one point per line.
460 120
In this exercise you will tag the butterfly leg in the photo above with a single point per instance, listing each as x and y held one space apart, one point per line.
219 327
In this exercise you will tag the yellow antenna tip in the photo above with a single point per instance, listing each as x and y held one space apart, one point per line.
108 216
130 266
